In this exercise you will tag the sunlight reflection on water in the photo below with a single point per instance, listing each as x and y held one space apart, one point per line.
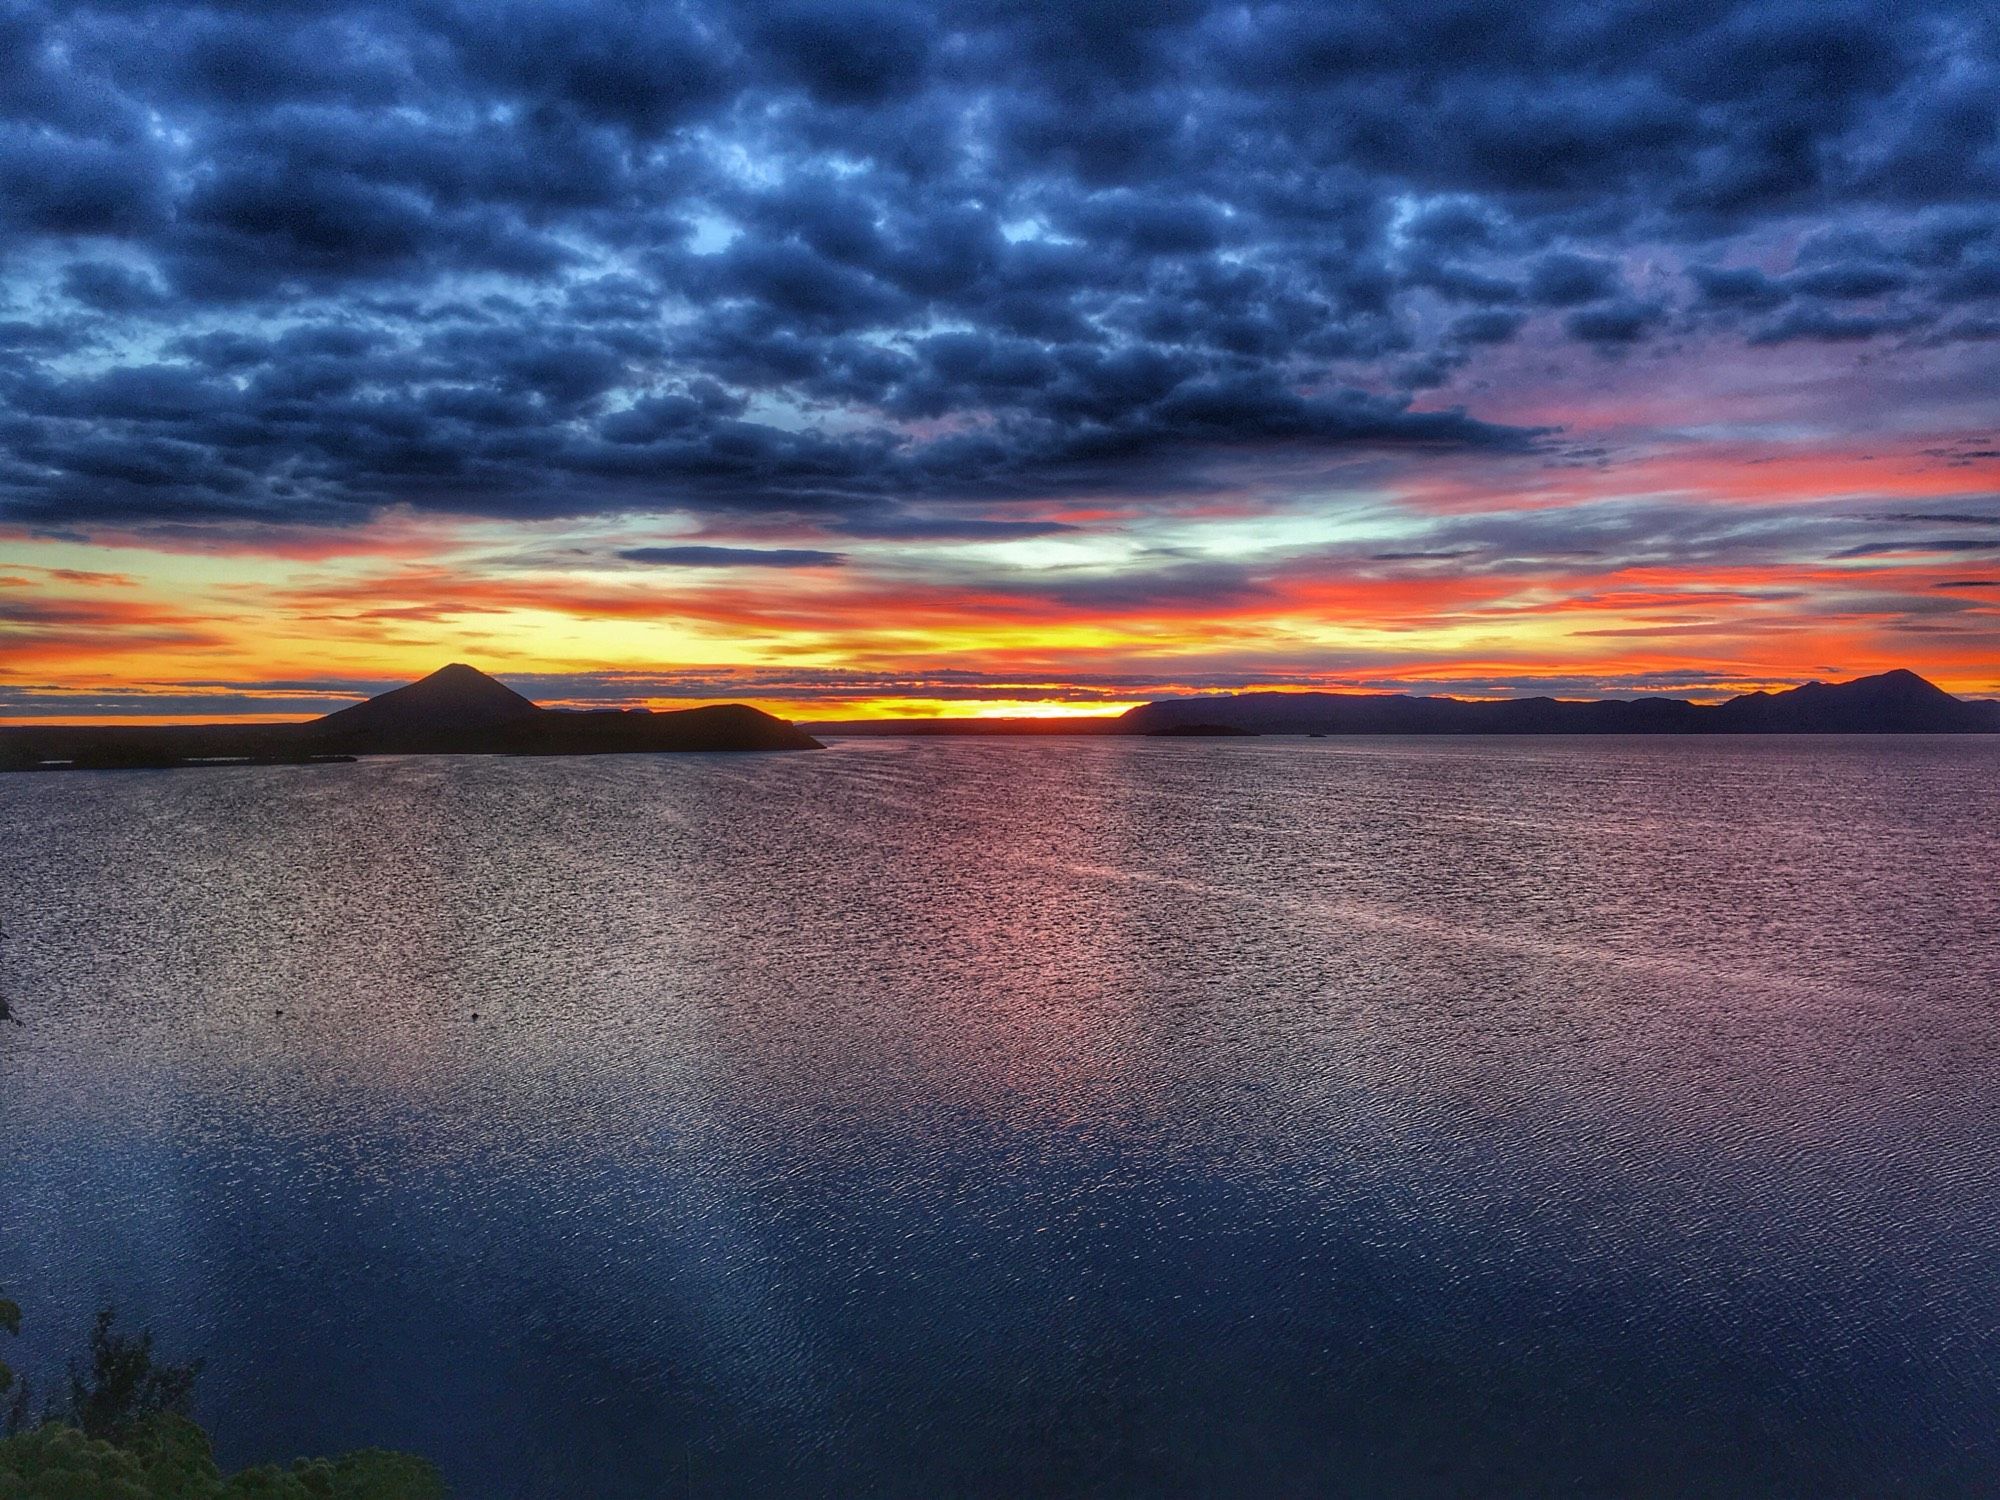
1005 1117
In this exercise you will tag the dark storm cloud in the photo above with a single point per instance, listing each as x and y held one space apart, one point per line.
109 288
1563 280
299 263
1622 322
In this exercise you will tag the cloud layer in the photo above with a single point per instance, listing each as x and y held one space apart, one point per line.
288 263
865 291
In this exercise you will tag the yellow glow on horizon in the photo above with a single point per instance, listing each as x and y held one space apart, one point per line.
1015 708
842 709
1025 628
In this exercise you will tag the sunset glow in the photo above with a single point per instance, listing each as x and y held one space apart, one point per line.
987 429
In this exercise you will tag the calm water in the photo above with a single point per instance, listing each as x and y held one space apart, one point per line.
1371 1117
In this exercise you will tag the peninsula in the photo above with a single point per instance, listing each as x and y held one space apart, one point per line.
457 710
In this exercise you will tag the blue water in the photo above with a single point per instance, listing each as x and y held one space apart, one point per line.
1006 1118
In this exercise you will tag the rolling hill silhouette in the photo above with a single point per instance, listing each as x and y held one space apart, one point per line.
1897 702
1900 698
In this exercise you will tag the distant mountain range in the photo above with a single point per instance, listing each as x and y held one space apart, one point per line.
457 710
1896 702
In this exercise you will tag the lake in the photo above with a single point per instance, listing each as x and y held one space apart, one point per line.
1098 1117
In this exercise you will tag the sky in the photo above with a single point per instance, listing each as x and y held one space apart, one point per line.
970 358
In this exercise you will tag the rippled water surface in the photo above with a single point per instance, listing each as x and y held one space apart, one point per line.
1008 1118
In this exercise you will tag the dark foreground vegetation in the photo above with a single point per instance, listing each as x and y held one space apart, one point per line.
121 1431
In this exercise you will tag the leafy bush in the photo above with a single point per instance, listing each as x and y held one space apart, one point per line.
125 1384
15 1413
126 1436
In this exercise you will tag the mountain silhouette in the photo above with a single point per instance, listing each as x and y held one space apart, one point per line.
1897 702
456 710
455 698
460 710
